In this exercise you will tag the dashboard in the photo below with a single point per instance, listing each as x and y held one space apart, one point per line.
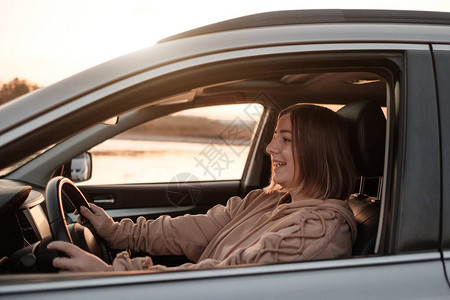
23 226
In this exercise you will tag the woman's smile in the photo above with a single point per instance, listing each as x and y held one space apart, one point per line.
278 164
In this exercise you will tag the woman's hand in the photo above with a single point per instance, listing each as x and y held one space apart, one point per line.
78 260
103 224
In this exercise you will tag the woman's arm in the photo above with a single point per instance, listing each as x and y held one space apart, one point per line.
184 235
321 237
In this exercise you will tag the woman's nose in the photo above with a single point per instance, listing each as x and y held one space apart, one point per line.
271 149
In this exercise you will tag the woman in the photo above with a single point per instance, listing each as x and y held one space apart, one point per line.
302 215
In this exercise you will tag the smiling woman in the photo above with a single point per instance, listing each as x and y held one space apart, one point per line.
310 154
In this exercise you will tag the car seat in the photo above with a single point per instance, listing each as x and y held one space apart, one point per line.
367 133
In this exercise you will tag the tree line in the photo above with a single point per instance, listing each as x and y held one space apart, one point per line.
15 88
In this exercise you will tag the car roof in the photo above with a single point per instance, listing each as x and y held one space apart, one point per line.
295 17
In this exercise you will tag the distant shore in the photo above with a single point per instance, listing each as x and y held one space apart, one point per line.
182 139
192 129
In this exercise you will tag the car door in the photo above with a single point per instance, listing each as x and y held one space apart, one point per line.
408 263
442 64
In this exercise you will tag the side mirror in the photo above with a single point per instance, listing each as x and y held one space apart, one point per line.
81 167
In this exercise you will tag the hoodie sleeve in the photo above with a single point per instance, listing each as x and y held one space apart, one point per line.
185 235
319 235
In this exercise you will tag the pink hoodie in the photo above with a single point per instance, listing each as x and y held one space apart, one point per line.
259 229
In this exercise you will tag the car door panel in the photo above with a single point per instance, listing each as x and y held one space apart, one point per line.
152 200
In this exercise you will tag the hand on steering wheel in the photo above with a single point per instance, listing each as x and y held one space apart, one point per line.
103 224
75 234
77 260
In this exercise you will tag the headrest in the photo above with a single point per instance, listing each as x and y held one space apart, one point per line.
367 132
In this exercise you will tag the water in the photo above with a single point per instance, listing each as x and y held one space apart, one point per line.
119 161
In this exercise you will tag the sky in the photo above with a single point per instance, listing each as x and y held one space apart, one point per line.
44 41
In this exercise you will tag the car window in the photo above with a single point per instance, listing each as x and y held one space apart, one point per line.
201 144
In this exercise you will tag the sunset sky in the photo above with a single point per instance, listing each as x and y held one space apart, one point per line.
44 41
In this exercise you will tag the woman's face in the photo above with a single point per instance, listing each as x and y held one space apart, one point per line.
280 150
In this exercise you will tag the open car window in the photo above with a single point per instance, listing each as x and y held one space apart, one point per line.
200 144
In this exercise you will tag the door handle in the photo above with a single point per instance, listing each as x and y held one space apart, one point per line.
103 201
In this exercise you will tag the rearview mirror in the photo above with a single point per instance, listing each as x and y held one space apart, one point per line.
81 167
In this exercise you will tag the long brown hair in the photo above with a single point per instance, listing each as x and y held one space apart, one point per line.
322 154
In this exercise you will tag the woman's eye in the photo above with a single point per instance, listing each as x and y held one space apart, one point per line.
286 140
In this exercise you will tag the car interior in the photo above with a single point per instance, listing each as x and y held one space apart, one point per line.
359 92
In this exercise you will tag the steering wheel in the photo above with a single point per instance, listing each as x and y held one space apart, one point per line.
85 236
